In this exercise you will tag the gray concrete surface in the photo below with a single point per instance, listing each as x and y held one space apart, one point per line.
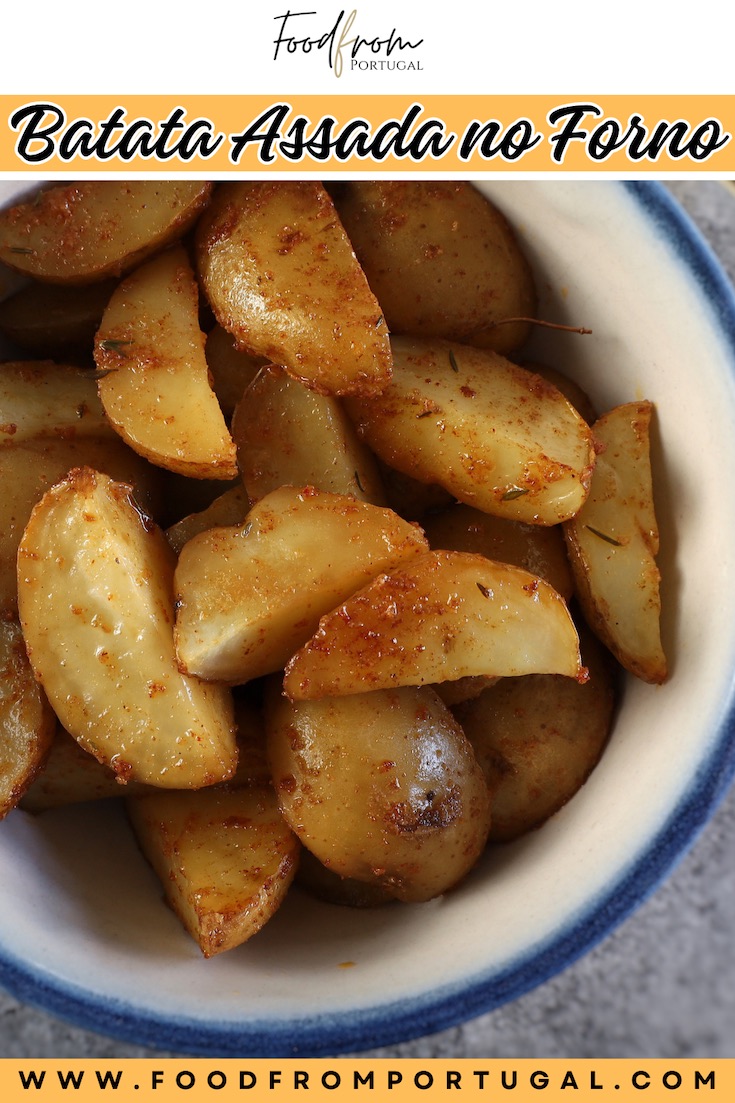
662 985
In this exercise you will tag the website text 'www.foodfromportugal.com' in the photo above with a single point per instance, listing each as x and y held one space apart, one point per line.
313 1079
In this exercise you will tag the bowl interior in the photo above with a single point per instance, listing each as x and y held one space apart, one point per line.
83 931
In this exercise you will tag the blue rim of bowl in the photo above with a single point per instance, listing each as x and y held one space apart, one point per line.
391 1023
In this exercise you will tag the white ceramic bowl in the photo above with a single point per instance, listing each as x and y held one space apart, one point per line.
82 929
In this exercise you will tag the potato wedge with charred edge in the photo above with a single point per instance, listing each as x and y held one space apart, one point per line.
95 598
441 259
382 787
225 858
27 723
248 596
79 233
282 278
44 399
440 617
496 436
539 737
154 381
288 435
613 543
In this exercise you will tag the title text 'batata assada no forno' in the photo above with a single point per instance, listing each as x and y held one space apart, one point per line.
44 132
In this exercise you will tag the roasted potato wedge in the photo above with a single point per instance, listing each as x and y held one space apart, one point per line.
441 259
79 233
346 892
382 787
288 435
496 436
539 549
613 543
225 858
154 383
439 617
27 723
569 388
538 738
54 320
411 499
314 314
95 599
248 596
231 371
70 775
30 469
45 399
231 508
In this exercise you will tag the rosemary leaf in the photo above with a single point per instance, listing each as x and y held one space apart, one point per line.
453 361
115 346
514 492
483 589
603 536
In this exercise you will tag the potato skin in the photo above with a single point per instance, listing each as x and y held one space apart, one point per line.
79 233
26 721
539 737
539 549
441 259
282 278
382 787
494 435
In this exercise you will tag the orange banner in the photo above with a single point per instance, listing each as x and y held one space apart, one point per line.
218 135
378 1080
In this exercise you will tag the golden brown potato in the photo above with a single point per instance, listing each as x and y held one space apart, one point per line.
539 549
439 617
95 598
569 388
30 469
382 787
231 508
497 437
314 314
288 435
346 892
26 721
410 498
70 775
45 399
231 371
225 858
538 738
154 380
248 596
53 320
613 543
79 233
441 259
463 689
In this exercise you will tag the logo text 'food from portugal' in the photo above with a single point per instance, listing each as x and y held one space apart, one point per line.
299 33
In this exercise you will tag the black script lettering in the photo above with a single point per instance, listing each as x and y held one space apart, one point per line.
272 119
573 113
36 122
510 145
